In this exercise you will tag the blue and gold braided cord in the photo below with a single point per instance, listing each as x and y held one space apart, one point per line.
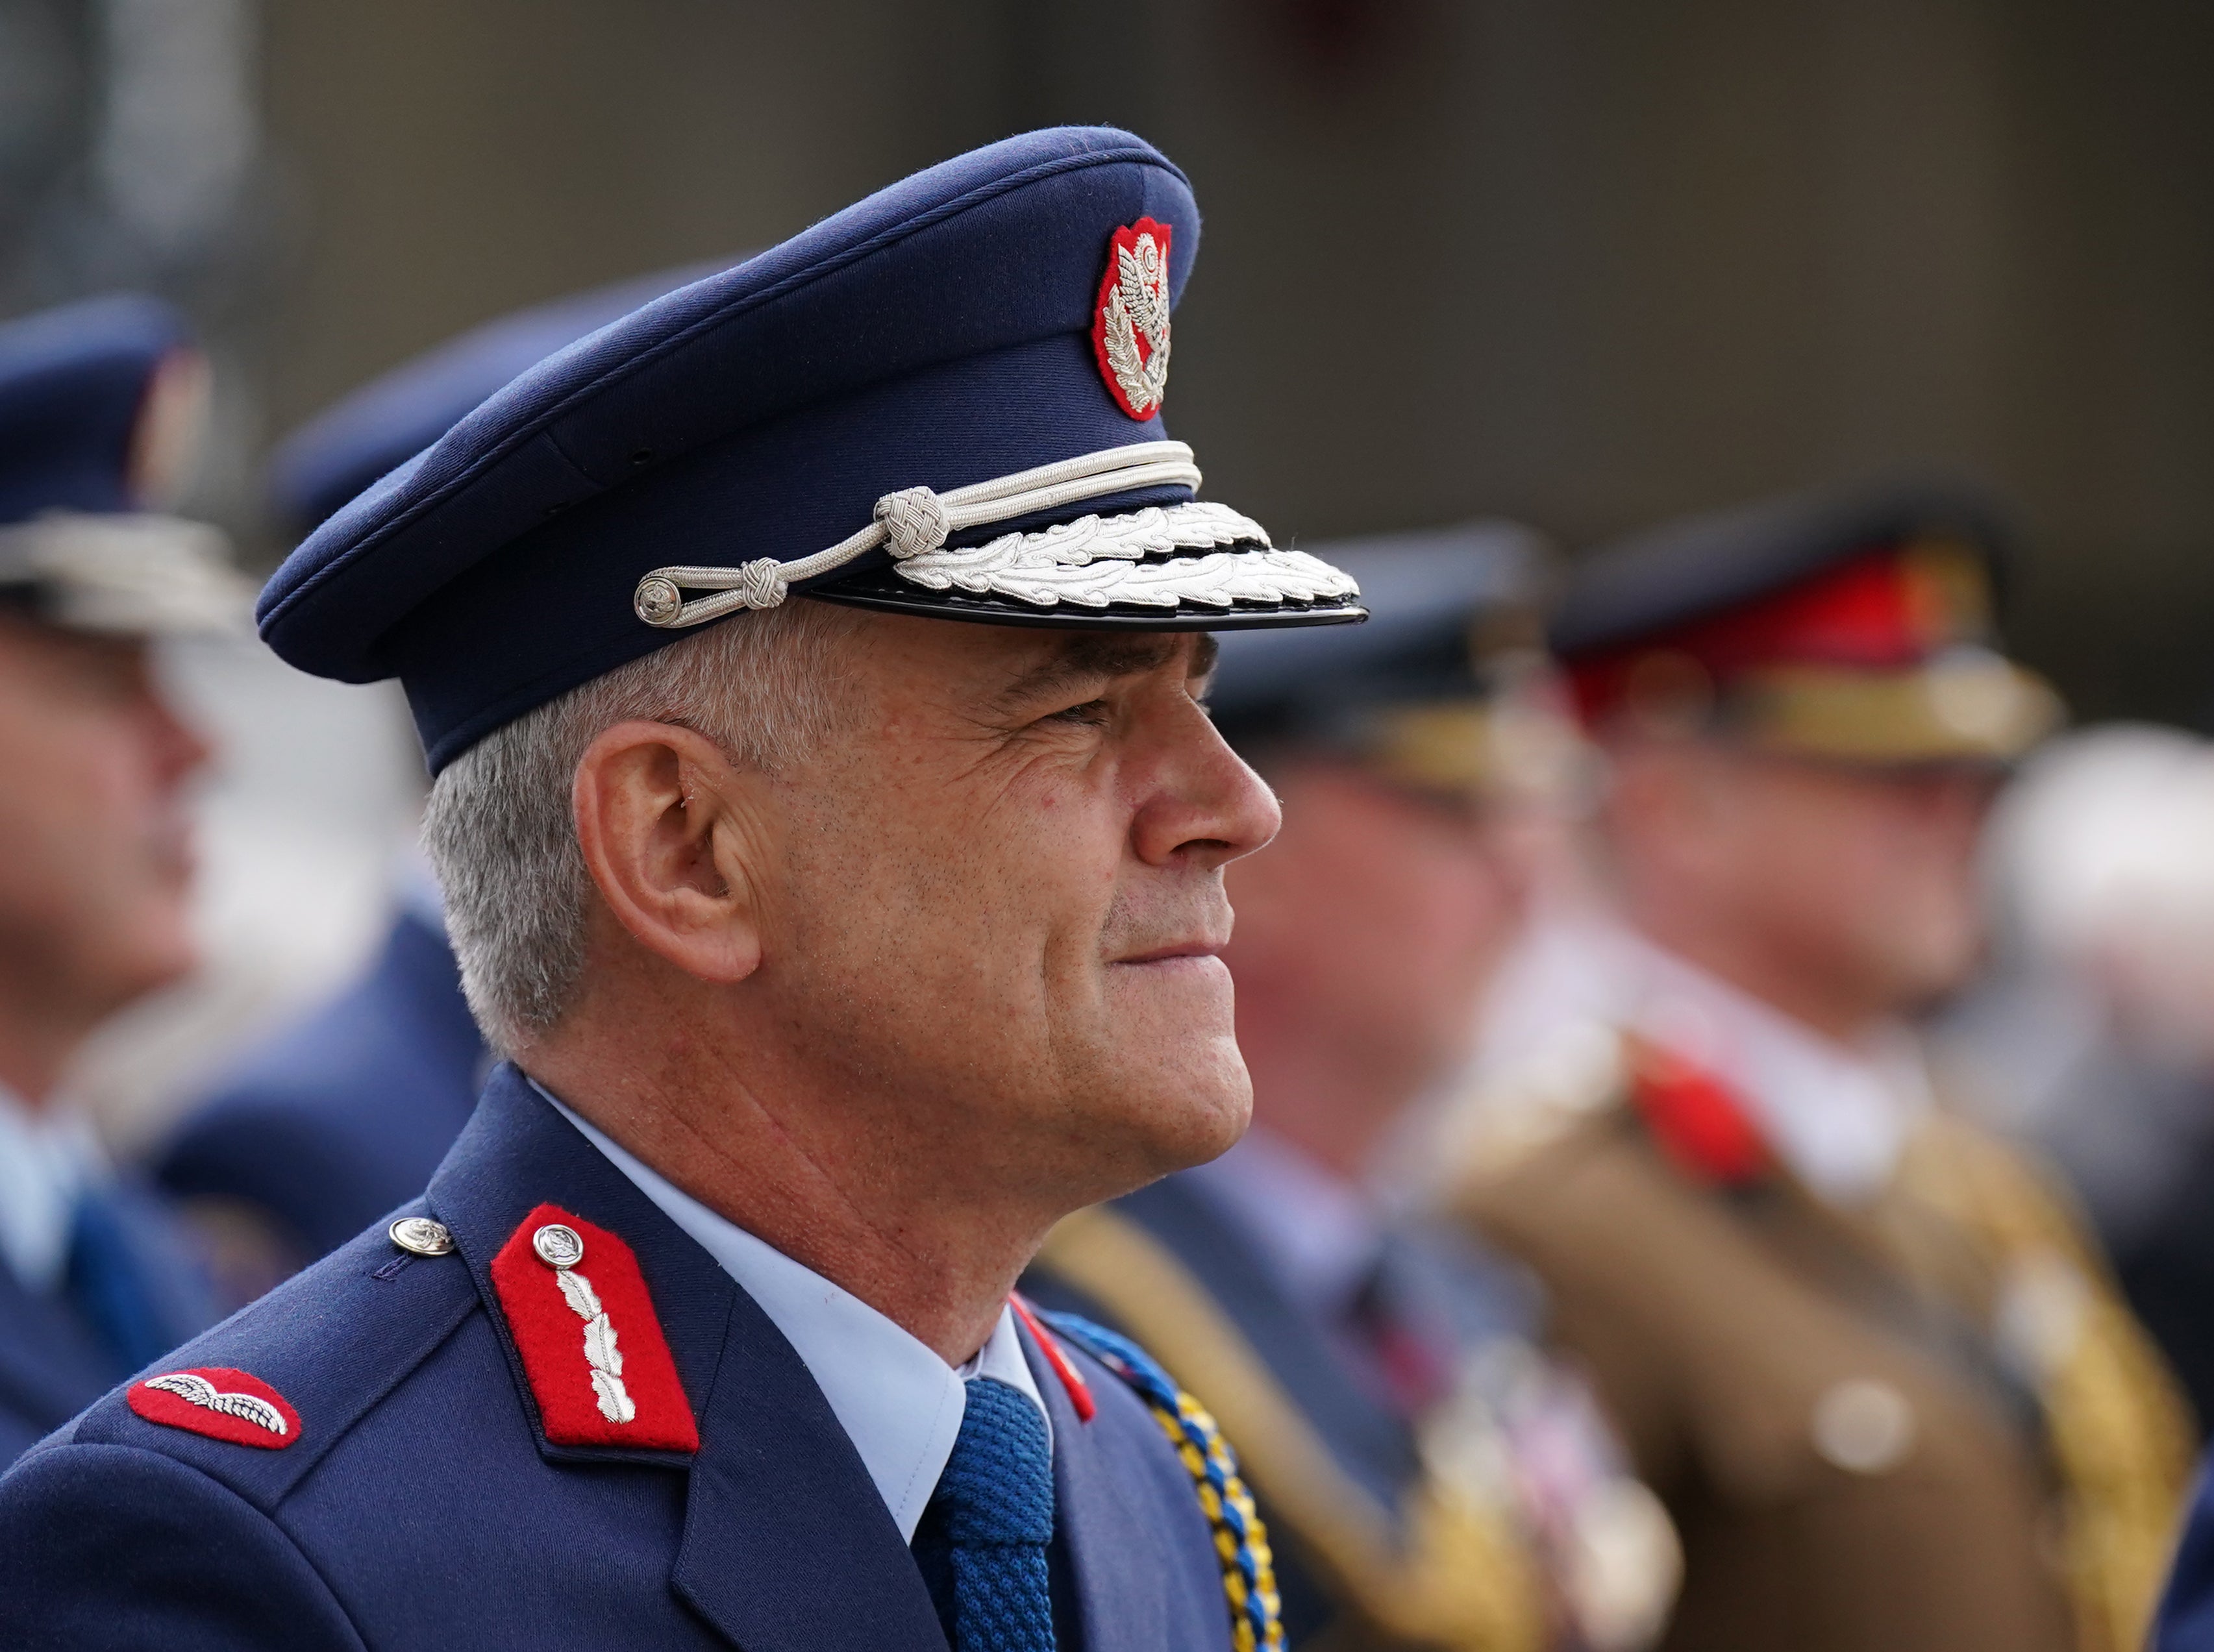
1241 1542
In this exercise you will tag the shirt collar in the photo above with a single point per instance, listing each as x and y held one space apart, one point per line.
1837 1114
48 1159
898 1402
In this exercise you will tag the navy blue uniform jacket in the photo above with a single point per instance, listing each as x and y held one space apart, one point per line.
342 1117
421 1506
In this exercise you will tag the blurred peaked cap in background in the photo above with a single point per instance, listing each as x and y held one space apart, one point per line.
1858 626
336 455
1701 566
937 336
102 407
1454 621
100 403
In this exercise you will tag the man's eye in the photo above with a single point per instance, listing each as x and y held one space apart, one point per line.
1092 712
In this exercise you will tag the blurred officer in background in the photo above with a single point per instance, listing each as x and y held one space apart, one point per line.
99 408
343 1116
841 949
1429 1478
1864 1351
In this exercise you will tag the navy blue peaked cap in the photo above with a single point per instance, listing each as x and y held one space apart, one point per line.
337 454
76 387
1685 570
890 410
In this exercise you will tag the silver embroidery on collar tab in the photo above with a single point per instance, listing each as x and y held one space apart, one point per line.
560 1247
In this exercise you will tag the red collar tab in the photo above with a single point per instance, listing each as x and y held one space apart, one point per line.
1889 608
1080 1391
219 1402
1698 1119
592 1344
1130 318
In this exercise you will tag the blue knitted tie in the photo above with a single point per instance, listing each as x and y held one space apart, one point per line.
981 1544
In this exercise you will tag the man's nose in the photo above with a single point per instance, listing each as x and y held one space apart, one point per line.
1207 806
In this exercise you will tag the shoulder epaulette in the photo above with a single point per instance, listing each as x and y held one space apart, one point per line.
294 1371
1249 1569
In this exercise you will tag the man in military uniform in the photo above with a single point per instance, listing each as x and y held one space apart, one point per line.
341 1117
838 951
1430 1479
1864 1352
99 404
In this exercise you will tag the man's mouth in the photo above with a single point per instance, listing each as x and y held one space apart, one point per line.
1177 953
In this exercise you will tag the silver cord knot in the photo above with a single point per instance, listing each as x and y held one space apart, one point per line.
761 583
914 521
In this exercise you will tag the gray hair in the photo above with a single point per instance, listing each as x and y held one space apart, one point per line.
500 829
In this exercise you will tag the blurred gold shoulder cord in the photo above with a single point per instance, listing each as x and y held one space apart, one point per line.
2116 1424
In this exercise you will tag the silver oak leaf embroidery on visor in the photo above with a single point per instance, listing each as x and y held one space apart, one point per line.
198 1391
561 1248
1097 560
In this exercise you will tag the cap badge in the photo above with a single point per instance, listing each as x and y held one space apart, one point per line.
219 1403
592 1344
1130 331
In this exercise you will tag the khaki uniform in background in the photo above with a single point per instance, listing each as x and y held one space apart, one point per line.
1927 1424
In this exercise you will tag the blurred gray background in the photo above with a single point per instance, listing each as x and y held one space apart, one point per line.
1587 262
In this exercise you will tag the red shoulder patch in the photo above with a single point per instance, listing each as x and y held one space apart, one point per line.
1080 1391
1130 319
591 1344
1698 1119
220 1403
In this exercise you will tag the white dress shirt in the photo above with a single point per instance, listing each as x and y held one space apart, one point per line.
899 1403
48 1159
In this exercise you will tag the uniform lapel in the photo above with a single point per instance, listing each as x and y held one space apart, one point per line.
1113 1548
787 1547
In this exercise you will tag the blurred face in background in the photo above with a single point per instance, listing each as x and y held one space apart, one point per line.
95 854
1841 894
1365 937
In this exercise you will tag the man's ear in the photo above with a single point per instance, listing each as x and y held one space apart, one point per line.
674 838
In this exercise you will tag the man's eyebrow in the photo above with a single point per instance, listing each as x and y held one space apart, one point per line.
1096 657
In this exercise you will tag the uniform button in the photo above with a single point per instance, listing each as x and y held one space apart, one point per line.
1863 1425
558 1245
421 1235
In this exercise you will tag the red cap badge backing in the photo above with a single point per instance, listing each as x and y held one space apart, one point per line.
591 1344
220 1403
1130 327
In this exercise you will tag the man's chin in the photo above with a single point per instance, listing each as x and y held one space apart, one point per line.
1189 1107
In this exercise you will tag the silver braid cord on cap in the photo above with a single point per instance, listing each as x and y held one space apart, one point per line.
914 522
